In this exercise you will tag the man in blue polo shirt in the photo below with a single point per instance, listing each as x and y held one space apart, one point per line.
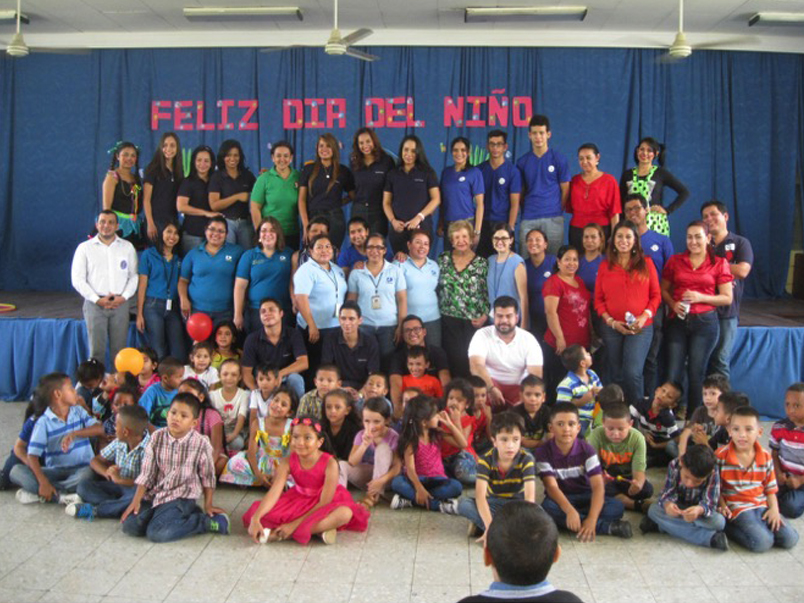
503 184
545 178
658 248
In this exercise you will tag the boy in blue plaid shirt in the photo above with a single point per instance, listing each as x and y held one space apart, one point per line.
119 465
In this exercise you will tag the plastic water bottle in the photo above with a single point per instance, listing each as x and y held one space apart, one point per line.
630 319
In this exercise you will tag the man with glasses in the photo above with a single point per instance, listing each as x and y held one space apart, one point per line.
503 184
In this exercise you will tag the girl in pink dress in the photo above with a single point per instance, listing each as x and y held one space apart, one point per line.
316 504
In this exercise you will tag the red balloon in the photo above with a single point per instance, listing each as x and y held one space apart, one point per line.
199 326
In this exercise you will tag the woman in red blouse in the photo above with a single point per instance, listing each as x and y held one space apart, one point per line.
594 196
627 296
694 283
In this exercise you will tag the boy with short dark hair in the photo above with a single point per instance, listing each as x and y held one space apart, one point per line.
176 470
418 362
687 506
534 412
787 449
521 546
622 453
573 481
504 473
726 405
157 398
119 465
482 443
657 423
267 382
327 378
581 384
701 425
748 488
610 394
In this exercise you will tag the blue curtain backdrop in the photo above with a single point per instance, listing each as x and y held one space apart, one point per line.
732 123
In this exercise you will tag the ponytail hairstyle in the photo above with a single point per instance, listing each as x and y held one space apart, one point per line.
468 146
417 411
115 163
90 370
710 248
657 147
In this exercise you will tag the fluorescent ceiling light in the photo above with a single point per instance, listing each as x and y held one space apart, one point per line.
526 13
223 13
771 18
11 15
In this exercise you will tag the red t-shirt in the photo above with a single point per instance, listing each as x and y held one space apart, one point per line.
618 291
705 279
573 310
449 449
597 202
430 386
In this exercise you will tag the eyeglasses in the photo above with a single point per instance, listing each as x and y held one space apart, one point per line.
501 239
412 330
375 247
216 230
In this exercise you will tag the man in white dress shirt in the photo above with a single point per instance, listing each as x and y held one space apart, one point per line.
104 272
503 354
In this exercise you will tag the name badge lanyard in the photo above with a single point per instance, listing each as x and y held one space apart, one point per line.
174 263
376 300
334 278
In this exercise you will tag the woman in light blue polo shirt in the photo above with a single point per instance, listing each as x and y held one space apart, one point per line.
380 290
462 191
208 273
421 274
265 271
158 296
507 274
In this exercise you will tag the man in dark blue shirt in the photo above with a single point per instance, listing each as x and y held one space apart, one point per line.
503 184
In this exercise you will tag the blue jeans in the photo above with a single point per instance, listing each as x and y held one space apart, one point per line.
791 502
698 532
720 361
553 228
625 355
374 215
441 488
240 232
165 328
463 467
751 531
5 477
468 508
651 373
63 479
691 340
612 510
171 521
108 498
295 382
385 339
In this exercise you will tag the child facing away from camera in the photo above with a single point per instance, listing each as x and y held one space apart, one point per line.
177 469
423 481
418 363
109 492
59 450
89 375
373 461
267 447
787 449
406 397
657 422
701 425
581 385
315 504
621 450
727 403
575 494
748 488
610 394
19 452
200 366
327 378
260 399
341 422
505 473
157 398
460 459
534 412
231 401
687 505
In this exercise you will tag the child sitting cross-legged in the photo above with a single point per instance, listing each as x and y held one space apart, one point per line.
505 473
327 378
125 395
787 449
701 425
534 412
200 366
260 399
157 398
581 384
418 363
748 488
657 422
482 443
687 506
19 452
575 494
621 451
107 493
231 401
177 469
460 459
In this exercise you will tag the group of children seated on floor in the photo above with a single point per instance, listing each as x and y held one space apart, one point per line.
162 449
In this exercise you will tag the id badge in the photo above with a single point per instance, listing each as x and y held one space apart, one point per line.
337 310
169 305
376 302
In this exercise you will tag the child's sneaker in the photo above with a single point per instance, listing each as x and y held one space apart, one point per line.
70 499
620 528
397 502
329 536
449 506
647 525
80 511
719 541
28 498
219 524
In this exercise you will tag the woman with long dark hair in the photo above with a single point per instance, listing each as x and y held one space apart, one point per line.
121 190
370 166
160 185
193 198
230 192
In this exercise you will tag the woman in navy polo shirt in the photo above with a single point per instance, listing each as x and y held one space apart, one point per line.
323 185
208 274
422 274
193 198
370 166
539 267
694 284
161 185
411 193
462 190
265 271
158 295
230 193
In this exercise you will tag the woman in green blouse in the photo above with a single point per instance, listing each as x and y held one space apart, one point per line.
462 296
276 194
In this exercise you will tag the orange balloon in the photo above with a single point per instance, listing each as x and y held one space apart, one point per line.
129 360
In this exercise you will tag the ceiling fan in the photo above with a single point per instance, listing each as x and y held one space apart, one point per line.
340 45
17 48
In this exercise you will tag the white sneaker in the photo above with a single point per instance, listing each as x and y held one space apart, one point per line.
397 502
28 498
70 499
449 506
329 536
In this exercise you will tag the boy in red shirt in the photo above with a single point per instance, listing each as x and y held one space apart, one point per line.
418 362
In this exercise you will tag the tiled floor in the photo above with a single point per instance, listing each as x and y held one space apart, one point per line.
405 556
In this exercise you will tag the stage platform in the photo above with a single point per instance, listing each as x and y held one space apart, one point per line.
47 333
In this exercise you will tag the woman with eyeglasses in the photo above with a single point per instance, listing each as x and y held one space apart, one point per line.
507 274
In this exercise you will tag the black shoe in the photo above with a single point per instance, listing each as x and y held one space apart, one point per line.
719 541
647 525
620 528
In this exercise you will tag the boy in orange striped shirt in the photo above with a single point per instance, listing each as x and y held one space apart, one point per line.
748 488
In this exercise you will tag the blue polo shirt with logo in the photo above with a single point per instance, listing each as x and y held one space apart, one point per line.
657 247
542 178
458 190
266 276
422 283
499 185
211 277
385 287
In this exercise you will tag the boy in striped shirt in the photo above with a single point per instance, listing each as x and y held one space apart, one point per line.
787 450
748 488
581 384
